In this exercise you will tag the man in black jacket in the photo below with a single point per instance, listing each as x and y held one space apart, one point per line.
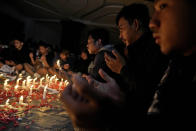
174 28
141 72
98 44
145 63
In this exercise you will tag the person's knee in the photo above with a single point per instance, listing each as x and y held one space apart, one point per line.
1 64
51 71
42 71
19 67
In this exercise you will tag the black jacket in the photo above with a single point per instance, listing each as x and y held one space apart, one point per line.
99 62
176 98
143 71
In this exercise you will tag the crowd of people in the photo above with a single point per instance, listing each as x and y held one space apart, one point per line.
156 79
40 60
151 77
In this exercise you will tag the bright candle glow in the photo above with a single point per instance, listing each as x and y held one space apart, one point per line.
18 80
21 100
45 90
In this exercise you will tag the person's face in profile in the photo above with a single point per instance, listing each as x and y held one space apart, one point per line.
84 55
127 32
43 50
173 25
18 45
63 56
92 45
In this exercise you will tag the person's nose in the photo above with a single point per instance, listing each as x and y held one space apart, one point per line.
154 22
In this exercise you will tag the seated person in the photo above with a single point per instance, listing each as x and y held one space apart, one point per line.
1 64
66 63
41 64
83 62
18 55
98 44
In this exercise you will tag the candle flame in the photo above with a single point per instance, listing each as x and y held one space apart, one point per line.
21 100
16 87
7 102
17 82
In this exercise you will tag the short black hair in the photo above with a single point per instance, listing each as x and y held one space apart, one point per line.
43 43
100 33
19 37
135 11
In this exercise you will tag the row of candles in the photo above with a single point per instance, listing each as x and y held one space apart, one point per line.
34 84
18 96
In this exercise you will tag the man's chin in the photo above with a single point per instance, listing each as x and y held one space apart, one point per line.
165 51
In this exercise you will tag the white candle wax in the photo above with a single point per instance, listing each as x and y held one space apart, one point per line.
58 64
31 89
51 79
44 93
7 102
15 87
56 80
5 84
28 77
18 80
24 83
21 100
66 83
34 80
20 75
41 81
28 82
60 85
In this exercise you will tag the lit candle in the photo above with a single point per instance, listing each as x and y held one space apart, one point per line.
18 80
1 75
21 100
24 83
20 75
47 78
62 80
34 80
6 84
15 87
28 82
60 85
45 90
28 77
41 81
56 80
58 64
53 77
66 83
31 89
7 102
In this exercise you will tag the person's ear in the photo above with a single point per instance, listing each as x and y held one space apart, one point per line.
136 24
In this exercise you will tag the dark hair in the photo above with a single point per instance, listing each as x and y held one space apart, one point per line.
100 34
135 11
65 52
19 37
44 44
